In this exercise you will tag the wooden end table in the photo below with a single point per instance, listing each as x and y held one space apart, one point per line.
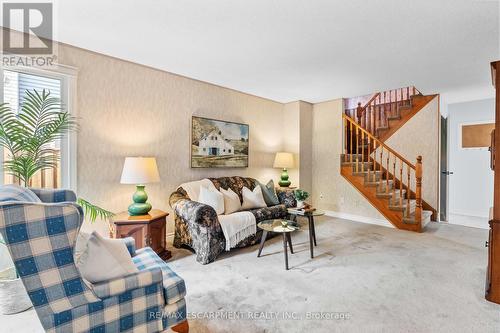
147 230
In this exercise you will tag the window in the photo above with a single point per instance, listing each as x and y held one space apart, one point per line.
62 85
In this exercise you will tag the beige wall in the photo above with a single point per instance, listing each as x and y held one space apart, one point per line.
297 127
420 136
130 110
330 190
291 130
306 131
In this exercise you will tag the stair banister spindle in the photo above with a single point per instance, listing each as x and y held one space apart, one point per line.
346 141
390 100
362 151
408 191
370 118
374 119
350 138
387 173
385 107
394 174
381 159
344 136
357 150
370 141
418 190
401 183
397 93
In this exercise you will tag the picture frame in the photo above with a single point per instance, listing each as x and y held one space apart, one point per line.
219 143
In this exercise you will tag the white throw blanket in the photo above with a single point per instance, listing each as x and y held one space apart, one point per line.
236 227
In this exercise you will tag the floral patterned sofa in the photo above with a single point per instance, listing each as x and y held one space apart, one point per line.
197 225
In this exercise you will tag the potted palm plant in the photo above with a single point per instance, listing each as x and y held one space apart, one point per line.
26 136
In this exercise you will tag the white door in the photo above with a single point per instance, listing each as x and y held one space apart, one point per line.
471 182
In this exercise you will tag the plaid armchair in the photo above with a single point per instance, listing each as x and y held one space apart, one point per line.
40 229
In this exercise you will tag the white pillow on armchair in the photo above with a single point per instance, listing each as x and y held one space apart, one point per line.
105 259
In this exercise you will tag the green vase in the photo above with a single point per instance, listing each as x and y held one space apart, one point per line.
140 206
284 182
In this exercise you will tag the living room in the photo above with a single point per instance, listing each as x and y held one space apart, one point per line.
264 167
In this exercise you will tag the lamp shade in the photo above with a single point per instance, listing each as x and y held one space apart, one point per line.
140 170
283 160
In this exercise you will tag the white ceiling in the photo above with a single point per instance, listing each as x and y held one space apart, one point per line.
287 50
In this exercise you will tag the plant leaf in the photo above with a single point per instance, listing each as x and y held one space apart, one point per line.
92 212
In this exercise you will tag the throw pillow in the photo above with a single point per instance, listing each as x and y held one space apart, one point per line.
269 193
213 198
252 199
81 245
18 193
231 201
105 259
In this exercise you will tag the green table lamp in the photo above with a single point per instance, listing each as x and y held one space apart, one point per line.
139 171
283 160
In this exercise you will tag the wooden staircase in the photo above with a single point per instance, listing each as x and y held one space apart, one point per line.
388 111
387 180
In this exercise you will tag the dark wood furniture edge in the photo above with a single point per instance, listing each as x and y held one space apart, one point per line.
182 327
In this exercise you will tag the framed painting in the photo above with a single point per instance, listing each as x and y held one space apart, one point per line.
218 143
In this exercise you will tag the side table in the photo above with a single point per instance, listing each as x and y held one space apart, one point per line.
284 227
310 218
147 230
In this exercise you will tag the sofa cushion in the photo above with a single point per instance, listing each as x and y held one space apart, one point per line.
269 213
269 193
231 201
174 288
252 199
213 198
17 193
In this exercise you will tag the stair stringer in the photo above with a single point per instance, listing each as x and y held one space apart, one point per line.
381 204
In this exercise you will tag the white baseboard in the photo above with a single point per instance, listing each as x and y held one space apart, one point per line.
359 218
467 213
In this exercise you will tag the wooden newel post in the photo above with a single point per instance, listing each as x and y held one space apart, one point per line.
418 190
359 112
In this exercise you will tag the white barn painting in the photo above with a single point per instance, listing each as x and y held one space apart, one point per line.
214 144
218 144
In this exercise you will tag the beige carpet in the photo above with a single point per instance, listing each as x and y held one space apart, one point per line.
364 278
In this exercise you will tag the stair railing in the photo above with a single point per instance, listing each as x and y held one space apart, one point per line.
383 105
362 147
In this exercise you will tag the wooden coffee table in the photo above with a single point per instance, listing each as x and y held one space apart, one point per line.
284 227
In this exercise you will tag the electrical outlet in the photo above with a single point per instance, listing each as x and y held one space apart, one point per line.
342 200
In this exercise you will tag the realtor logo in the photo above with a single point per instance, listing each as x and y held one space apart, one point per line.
35 20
